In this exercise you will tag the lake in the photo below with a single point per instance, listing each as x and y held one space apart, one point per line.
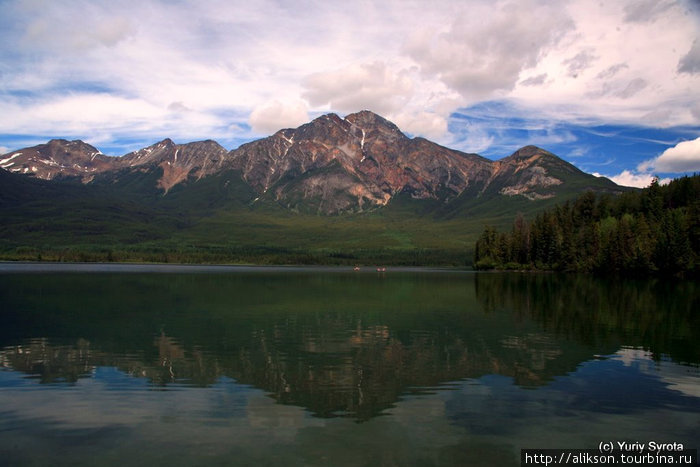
166 365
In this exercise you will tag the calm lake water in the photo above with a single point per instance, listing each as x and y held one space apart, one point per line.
137 365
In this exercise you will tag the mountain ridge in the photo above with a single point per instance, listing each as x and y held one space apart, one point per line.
330 165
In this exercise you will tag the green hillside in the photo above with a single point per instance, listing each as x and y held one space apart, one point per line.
219 219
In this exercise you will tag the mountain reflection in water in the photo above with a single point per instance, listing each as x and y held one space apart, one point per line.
349 345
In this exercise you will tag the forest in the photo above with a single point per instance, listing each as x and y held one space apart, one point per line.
655 230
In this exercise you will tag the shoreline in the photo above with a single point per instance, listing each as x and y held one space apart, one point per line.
19 267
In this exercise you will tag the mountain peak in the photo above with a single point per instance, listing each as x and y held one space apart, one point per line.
165 142
59 142
325 119
535 155
58 157
529 151
367 119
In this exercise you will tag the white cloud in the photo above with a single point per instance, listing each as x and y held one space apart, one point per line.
683 157
619 63
75 112
427 124
72 27
474 140
487 45
627 178
276 115
631 179
373 86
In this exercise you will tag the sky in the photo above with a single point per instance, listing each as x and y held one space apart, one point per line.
612 86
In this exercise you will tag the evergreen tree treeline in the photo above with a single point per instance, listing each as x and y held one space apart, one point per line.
654 230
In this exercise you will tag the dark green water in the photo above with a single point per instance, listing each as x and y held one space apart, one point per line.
105 365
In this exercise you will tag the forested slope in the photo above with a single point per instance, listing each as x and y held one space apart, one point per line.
654 230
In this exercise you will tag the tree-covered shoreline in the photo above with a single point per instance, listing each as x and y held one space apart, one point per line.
655 230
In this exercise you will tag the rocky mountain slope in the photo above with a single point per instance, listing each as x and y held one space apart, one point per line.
177 162
356 163
330 165
58 158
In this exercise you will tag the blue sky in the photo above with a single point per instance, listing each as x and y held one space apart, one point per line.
612 87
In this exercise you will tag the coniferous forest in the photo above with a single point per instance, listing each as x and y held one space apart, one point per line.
648 231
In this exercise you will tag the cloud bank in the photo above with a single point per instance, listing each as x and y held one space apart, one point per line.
628 178
275 115
683 157
126 72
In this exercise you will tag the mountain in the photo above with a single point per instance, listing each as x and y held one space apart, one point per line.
57 158
331 165
345 188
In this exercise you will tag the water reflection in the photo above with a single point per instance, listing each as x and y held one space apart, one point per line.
50 363
338 345
659 315
66 363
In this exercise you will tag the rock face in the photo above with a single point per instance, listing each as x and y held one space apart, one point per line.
356 163
531 172
177 161
56 158
330 165
61 158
